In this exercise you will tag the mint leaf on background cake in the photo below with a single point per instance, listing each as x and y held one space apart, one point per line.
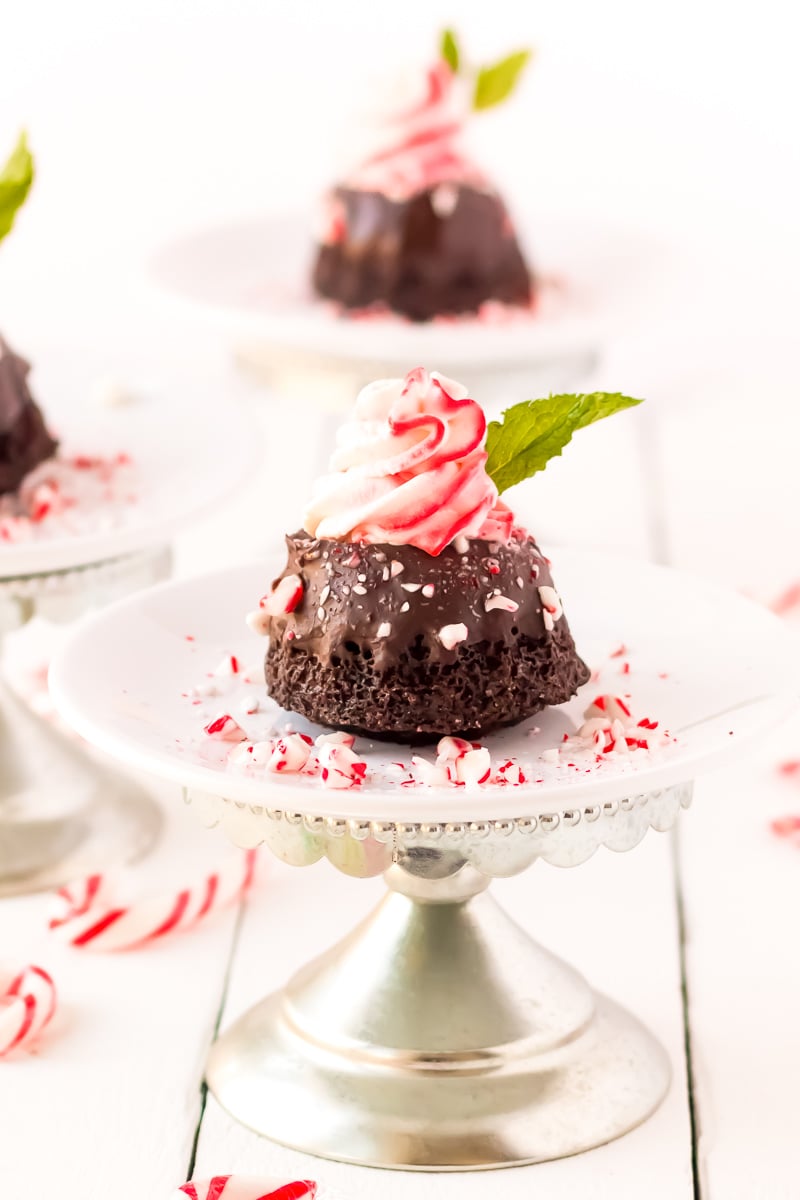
16 178
449 50
495 83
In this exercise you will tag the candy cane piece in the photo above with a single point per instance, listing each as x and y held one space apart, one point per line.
25 1008
787 827
244 1187
787 601
86 918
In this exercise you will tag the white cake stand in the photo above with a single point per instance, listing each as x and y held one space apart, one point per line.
438 1035
252 276
62 815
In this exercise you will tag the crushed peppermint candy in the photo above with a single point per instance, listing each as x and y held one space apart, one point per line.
451 635
337 738
285 597
331 757
340 766
551 606
610 732
458 762
609 729
290 753
282 600
225 729
787 827
510 772
70 495
503 603
256 754
258 621
228 666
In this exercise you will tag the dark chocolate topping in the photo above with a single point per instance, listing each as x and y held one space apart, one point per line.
369 646
24 439
351 594
421 261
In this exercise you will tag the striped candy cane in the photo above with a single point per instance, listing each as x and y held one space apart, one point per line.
25 1008
88 920
244 1187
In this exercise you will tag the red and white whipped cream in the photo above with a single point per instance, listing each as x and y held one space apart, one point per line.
411 138
409 468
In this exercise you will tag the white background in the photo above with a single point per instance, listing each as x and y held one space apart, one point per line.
679 120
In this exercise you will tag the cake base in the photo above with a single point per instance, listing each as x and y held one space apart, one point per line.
438 1037
458 698
445 250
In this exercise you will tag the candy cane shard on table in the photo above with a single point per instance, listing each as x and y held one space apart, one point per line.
244 1187
86 918
788 828
26 1007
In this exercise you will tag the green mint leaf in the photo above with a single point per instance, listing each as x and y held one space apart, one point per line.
449 50
16 178
496 83
533 432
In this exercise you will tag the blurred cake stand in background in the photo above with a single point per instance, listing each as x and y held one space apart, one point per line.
255 277
438 1035
62 814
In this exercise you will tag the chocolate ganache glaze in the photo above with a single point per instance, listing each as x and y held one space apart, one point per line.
24 439
392 642
444 250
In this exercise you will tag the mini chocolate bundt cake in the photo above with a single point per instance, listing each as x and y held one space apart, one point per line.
24 439
411 605
392 642
422 257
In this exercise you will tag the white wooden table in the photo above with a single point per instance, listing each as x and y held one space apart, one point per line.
697 934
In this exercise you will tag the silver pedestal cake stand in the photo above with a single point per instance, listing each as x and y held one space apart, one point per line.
438 1035
62 814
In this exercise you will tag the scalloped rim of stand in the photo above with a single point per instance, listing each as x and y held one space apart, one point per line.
498 848
692 676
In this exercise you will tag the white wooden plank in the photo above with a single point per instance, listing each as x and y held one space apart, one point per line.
742 895
614 918
108 1103
723 454
731 497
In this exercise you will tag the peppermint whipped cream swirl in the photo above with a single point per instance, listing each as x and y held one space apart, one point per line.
409 469
414 143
